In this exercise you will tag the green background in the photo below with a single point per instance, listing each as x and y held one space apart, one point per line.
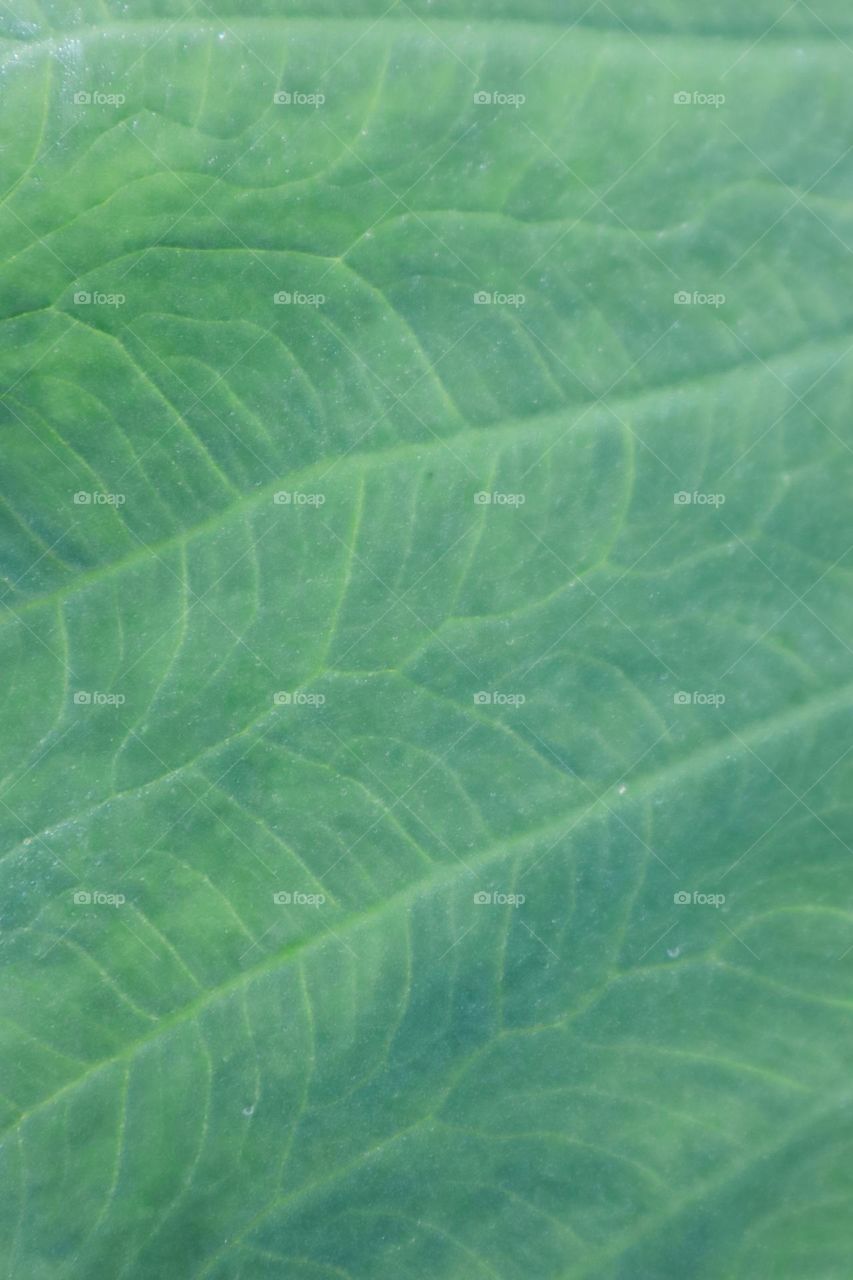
402 1082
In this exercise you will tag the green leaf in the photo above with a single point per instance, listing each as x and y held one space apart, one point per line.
426 640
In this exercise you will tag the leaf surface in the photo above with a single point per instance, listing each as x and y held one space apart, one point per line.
425 782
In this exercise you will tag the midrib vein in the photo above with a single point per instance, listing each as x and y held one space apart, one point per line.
552 421
703 760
